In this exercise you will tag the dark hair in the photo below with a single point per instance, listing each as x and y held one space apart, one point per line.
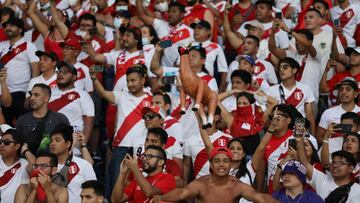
314 158
248 96
357 157
45 153
159 132
309 35
166 98
199 49
139 69
7 11
44 87
97 185
160 150
347 155
15 135
65 131
256 39
136 32
243 75
218 111
268 3
180 6
88 16
351 115
152 33
314 10
290 111
242 167
324 3
292 62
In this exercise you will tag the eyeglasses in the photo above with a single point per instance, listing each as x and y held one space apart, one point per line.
149 156
150 116
42 166
339 163
6 142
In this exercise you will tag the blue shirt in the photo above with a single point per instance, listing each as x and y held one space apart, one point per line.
308 196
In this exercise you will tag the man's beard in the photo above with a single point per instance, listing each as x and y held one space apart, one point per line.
151 168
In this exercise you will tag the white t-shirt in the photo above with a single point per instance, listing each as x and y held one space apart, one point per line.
230 103
333 115
324 184
85 173
302 97
83 80
20 177
39 39
51 82
174 128
19 69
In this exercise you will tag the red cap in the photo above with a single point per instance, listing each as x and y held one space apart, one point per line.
220 150
72 41
154 109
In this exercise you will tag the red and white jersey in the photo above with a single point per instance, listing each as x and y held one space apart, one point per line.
123 60
18 58
180 35
73 103
149 51
310 70
349 18
51 82
194 147
96 44
11 177
333 115
214 57
35 37
174 129
281 4
129 122
229 103
298 96
335 144
281 37
83 80
79 171
276 150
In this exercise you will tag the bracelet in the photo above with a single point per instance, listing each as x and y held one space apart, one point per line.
26 150
279 166
291 31
326 141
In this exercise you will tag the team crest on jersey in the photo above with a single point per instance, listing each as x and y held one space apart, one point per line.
298 96
13 170
146 104
349 14
257 69
72 170
323 45
221 142
71 96
17 50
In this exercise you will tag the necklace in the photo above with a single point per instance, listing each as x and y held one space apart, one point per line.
287 196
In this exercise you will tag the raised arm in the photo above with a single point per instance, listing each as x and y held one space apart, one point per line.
235 40
118 194
107 95
64 31
324 88
155 65
147 19
278 52
204 136
227 116
188 192
325 155
302 156
342 58
250 194
6 99
93 54
42 27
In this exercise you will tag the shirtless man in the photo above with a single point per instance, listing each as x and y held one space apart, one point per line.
219 186
46 163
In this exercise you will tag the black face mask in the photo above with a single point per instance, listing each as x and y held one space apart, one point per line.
192 2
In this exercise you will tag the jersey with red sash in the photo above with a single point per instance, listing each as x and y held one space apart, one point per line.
129 122
174 128
99 46
51 82
194 147
274 151
337 78
247 121
11 177
79 171
53 45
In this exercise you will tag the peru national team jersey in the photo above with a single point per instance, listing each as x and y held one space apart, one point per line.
73 103
194 147
51 82
11 177
333 115
83 80
174 129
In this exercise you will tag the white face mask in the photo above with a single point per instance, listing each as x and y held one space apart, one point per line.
118 8
81 33
145 40
117 22
162 7
72 2
45 6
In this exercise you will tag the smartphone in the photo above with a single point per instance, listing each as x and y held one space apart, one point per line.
337 22
168 80
99 68
165 44
130 151
343 128
278 15
292 143
76 129
299 127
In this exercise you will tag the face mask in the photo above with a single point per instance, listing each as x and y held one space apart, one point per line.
162 7
118 8
145 40
81 33
45 6
244 111
117 22
72 2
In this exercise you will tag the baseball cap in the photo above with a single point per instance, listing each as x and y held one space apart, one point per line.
349 50
312 140
15 21
5 127
220 150
248 58
254 23
297 168
154 109
200 49
348 81
202 23
347 155
50 54
72 41
69 66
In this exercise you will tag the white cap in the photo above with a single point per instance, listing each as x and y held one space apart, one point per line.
5 127
312 140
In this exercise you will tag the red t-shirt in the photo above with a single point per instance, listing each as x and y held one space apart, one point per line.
163 181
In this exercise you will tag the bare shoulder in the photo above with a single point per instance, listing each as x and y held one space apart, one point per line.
59 190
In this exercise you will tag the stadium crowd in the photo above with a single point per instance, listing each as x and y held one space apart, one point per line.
91 111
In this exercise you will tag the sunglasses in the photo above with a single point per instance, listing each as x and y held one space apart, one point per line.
6 142
150 116
149 156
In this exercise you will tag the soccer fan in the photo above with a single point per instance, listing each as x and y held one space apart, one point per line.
37 125
13 169
5 98
20 56
218 186
324 8
129 118
294 180
241 12
74 103
72 171
40 187
292 92
142 189
347 94
92 191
